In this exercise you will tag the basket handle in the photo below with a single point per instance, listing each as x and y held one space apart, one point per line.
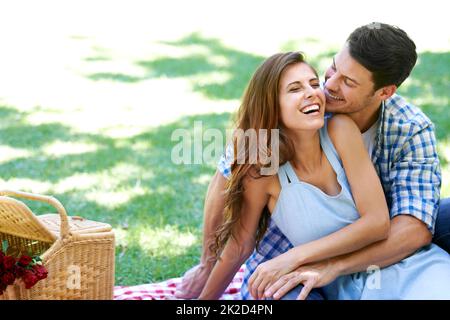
64 228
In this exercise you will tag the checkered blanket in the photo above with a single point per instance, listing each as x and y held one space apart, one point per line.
166 290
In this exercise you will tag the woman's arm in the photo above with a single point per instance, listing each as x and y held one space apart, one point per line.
239 248
194 279
372 226
374 223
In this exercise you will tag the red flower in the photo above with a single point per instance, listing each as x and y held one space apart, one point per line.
24 268
29 278
8 278
9 262
40 271
19 271
25 260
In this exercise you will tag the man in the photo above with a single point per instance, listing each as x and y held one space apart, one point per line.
361 83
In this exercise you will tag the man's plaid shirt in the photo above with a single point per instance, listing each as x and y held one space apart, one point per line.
406 161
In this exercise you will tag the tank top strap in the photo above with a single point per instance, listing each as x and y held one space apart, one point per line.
286 175
330 150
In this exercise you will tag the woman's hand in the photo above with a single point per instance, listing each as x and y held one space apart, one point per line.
269 272
312 276
193 282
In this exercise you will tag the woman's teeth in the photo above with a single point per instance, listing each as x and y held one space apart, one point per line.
310 109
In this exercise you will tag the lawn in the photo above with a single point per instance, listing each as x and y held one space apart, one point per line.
102 143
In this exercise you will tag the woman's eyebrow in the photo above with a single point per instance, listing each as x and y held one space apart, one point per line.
299 83
294 82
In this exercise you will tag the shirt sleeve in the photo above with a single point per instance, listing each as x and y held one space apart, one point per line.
416 178
224 165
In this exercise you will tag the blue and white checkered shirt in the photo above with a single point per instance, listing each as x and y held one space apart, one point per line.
406 161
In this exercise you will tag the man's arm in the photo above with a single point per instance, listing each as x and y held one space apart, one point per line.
407 234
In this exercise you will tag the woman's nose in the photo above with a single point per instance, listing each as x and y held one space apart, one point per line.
310 92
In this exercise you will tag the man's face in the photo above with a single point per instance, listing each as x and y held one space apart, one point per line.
348 85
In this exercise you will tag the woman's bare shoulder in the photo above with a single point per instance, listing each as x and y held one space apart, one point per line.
341 124
256 181
342 131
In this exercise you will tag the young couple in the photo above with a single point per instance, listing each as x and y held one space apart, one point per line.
356 189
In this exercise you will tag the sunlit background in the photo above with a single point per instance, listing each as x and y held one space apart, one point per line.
90 92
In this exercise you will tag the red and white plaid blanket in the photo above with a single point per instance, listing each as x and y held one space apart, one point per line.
166 290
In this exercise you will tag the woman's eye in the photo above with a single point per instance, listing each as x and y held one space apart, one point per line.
294 89
315 85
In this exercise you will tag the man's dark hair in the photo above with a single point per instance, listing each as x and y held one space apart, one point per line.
384 50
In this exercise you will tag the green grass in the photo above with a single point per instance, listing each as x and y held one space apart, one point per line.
118 170
154 206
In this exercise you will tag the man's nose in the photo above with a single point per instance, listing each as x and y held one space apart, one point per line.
331 83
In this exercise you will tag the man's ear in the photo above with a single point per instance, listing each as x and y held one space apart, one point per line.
386 92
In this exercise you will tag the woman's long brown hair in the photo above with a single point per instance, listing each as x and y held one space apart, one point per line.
260 109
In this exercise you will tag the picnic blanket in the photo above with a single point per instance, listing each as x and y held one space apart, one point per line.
166 290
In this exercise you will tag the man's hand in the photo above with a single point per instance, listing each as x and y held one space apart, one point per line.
312 276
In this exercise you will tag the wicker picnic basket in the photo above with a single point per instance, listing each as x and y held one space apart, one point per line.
77 253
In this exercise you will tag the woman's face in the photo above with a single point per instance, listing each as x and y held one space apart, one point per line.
302 102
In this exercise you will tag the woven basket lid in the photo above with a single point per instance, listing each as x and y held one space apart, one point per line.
18 220
77 224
